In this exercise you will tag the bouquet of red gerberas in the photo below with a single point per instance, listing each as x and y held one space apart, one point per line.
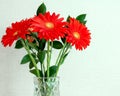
42 33
39 36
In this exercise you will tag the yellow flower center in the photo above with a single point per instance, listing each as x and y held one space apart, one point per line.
49 25
76 35
15 33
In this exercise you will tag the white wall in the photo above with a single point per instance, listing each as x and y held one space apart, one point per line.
92 72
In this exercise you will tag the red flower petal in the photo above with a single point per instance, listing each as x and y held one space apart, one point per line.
48 26
17 30
78 34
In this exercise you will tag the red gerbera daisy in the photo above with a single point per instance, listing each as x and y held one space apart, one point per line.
48 26
17 30
78 34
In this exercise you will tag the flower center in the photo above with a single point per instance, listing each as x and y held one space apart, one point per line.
76 35
15 33
49 25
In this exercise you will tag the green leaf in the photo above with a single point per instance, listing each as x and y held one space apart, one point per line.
57 45
31 64
52 70
33 46
33 71
41 56
25 59
18 44
34 34
42 44
64 57
68 18
41 9
63 40
84 22
81 18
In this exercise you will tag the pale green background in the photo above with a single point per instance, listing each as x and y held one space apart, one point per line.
92 72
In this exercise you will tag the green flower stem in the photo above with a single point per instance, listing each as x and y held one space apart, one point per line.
48 57
43 69
62 53
41 66
31 57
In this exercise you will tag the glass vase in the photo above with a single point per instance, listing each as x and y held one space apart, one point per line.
46 86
